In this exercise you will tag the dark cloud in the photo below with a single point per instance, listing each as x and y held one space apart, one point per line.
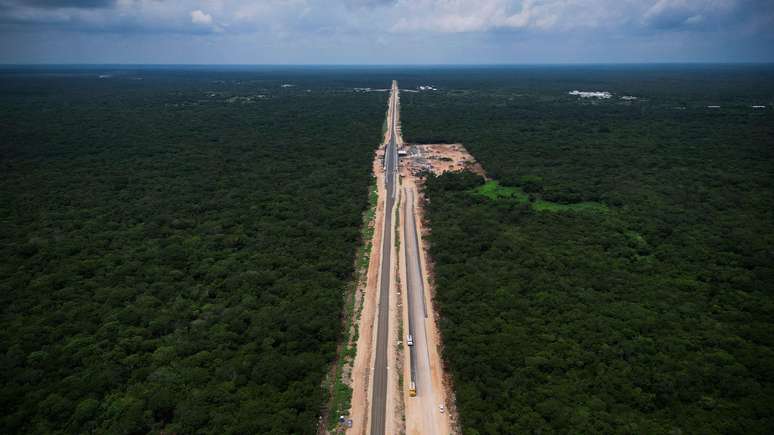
81 4
703 15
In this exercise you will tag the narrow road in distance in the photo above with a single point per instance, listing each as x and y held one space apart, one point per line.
379 397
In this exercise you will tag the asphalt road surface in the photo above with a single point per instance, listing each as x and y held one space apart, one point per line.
379 397
417 312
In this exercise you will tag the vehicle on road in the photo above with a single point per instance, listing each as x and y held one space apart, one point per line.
441 408
410 340
412 389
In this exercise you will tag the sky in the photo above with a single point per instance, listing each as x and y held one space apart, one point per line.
385 31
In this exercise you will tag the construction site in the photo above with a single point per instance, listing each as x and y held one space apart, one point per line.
436 158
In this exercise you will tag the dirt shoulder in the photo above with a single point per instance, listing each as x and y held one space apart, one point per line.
360 375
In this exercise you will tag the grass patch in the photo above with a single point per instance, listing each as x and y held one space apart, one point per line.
367 231
397 222
494 190
341 396
342 393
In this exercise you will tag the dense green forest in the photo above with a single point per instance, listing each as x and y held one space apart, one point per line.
652 313
175 245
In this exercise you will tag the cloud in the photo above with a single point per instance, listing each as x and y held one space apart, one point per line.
695 19
666 14
464 16
199 17
369 3
383 16
81 4
119 16
379 27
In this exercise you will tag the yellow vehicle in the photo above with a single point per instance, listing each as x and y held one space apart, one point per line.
412 390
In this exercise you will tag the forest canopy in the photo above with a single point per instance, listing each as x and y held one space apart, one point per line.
654 316
176 245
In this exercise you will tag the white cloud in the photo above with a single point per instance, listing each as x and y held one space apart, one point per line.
199 17
696 19
454 16
460 16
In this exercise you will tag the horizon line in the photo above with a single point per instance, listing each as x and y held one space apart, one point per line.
121 64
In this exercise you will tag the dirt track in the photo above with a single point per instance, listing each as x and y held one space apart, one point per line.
423 413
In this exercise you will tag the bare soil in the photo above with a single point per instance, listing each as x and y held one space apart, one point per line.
440 375
440 158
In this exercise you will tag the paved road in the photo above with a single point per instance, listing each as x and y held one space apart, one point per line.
379 397
417 312
411 283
